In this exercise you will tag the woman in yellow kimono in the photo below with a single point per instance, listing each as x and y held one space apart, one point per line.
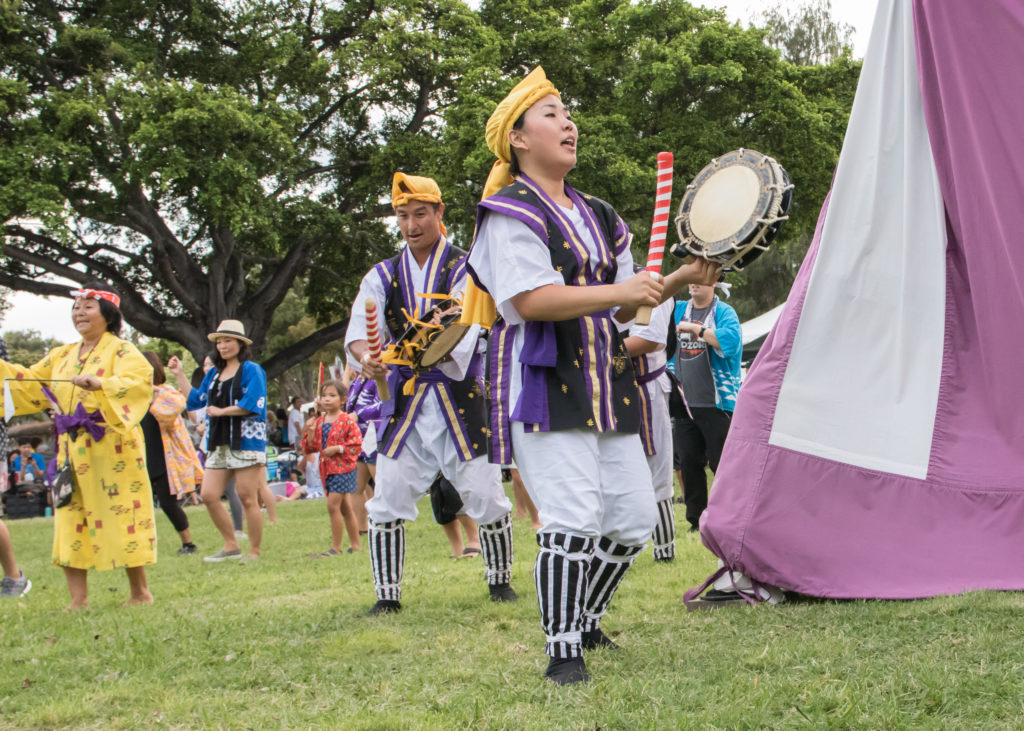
103 385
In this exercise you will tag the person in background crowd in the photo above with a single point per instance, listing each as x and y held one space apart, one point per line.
364 402
234 393
27 465
295 423
524 505
309 463
14 583
646 345
171 460
710 348
337 438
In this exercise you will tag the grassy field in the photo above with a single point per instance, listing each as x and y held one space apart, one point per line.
282 644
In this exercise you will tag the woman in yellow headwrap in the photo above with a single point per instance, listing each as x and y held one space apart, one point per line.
558 266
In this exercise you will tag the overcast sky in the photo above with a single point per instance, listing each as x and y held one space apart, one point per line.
52 316
858 13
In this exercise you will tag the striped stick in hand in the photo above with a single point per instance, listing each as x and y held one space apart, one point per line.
659 227
373 340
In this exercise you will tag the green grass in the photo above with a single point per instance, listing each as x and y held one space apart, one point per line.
281 644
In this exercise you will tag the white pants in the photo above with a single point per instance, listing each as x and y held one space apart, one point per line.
661 432
428 449
588 484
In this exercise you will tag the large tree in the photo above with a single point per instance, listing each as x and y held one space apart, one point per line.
208 157
643 76
203 156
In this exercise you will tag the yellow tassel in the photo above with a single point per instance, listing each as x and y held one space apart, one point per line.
410 386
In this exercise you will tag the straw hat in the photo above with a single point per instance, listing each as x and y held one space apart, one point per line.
230 329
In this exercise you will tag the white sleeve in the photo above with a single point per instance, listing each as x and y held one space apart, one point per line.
509 258
625 262
370 288
467 347
656 331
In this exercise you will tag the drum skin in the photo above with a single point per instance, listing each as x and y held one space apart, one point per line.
423 346
733 209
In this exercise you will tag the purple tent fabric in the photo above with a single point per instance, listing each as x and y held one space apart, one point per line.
793 511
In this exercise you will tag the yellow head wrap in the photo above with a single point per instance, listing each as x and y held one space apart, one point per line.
523 96
478 306
405 188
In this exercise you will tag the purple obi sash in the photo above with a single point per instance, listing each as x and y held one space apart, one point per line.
92 422
648 377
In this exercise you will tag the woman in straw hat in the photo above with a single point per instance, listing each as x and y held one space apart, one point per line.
559 268
234 393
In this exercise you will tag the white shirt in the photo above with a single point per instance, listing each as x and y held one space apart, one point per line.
295 424
509 258
656 331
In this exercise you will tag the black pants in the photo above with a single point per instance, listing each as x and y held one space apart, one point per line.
698 442
169 502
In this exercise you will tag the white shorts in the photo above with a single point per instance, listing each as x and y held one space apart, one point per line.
226 458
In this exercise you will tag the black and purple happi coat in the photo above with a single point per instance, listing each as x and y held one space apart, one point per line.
576 373
462 402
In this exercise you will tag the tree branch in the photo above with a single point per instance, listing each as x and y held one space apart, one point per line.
300 351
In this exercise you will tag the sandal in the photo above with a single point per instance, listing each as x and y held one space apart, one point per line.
470 552
325 554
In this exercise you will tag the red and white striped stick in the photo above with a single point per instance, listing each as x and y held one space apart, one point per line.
659 227
373 340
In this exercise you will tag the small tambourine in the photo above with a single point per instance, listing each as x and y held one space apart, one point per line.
733 209
427 342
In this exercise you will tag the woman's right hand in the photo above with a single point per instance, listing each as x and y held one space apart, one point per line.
641 289
174 366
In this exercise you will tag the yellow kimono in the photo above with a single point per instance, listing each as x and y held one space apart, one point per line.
109 522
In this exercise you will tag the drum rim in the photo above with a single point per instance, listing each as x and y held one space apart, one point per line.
765 169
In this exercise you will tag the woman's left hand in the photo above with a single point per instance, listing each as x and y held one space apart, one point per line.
87 383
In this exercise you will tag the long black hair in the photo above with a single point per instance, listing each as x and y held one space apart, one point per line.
109 311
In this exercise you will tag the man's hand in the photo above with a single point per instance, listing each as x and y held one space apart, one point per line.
372 367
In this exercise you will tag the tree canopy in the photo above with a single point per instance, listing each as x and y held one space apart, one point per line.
207 157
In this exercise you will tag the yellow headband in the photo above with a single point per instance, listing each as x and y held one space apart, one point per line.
406 188
523 96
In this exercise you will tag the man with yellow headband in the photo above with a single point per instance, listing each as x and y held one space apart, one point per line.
557 264
441 424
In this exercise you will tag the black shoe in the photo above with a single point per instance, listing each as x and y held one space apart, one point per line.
664 559
693 529
502 593
187 549
567 671
596 639
678 500
384 606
